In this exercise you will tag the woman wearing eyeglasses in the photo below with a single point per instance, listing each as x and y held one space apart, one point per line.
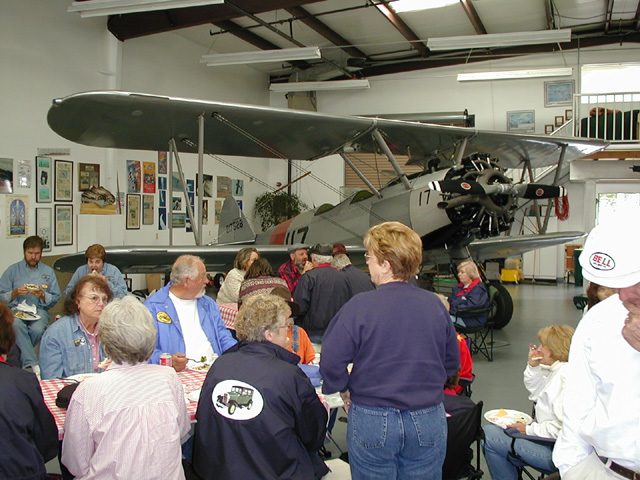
71 346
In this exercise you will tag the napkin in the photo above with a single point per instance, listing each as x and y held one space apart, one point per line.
24 307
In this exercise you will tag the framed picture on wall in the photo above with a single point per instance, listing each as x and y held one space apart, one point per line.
133 211
548 129
44 179
147 209
558 93
88 176
568 115
44 227
559 120
64 225
64 181
521 121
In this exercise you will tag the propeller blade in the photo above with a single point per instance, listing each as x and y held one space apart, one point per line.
464 187
538 191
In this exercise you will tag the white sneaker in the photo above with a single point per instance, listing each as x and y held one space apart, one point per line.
36 369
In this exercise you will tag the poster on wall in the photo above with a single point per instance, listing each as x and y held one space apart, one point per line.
207 181
218 210
64 181
134 176
178 220
147 209
205 212
43 179
133 211
88 176
17 213
24 173
6 175
44 227
64 225
238 187
176 204
149 169
224 187
162 162
176 184
162 219
162 183
162 198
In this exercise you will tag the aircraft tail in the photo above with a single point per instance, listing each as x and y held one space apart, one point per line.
234 227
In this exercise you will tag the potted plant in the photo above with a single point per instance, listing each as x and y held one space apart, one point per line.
275 207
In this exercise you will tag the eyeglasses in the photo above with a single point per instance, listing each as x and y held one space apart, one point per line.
281 326
96 298
367 256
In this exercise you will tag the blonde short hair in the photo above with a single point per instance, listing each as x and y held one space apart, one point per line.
557 338
259 313
397 244
470 269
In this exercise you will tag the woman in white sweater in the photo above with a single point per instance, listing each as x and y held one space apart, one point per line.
230 289
544 378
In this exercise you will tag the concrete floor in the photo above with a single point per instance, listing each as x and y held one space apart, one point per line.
499 383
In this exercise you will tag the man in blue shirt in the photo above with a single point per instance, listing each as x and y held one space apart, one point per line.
35 284
189 324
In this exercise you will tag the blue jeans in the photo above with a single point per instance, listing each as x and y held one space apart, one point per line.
496 446
457 320
28 334
388 444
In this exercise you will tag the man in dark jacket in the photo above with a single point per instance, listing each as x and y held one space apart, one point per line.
321 292
259 416
358 280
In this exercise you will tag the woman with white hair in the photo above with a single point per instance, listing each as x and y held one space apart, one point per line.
128 421
259 416
469 293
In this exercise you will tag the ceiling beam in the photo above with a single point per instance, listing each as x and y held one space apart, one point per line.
591 39
135 25
395 20
253 39
474 18
334 37
609 14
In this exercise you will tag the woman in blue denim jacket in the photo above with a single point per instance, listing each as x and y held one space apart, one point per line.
70 346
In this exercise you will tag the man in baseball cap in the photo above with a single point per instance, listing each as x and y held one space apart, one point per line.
298 263
602 393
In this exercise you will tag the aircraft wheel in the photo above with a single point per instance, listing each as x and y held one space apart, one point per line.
249 404
218 279
232 407
504 307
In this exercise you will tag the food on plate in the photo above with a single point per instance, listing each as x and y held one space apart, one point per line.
203 358
105 363
204 367
501 413
25 315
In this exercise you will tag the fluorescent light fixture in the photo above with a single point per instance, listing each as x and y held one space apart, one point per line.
499 40
97 8
515 74
261 56
414 5
315 86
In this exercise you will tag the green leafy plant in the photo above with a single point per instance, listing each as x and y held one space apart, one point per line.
275 207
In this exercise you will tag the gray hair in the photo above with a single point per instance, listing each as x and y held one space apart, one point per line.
340 261
185 266
126 330
322 258
259 313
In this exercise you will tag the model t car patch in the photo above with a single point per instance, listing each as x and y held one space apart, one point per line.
237 400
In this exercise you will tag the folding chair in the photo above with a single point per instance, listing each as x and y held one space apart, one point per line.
464 429
580 301
519 462
481 337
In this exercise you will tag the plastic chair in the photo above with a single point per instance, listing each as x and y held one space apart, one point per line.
481 336
580 301
464 429
519 463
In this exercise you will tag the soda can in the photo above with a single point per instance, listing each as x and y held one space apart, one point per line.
165 359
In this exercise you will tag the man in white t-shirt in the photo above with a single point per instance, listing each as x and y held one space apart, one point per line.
189 324
599 437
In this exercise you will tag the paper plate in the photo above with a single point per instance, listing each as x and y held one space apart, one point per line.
81 376
194 396
27 316
503 417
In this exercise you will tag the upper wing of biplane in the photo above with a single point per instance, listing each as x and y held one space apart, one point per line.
148 122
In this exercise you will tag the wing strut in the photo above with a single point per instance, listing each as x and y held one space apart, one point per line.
194 227
556 180
360 174
387 152
460 148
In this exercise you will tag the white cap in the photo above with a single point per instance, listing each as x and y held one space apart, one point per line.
611 254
